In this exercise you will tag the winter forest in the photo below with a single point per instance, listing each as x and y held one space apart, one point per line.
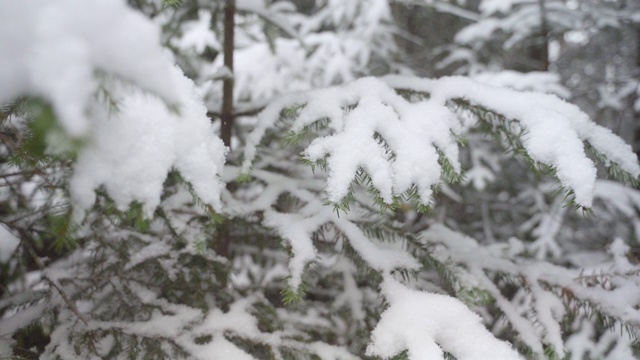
319 179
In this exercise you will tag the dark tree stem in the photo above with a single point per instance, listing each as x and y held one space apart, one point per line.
226 115
227 86
637 92
544 35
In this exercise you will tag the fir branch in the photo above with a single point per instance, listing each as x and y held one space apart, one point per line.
292 296
448 172
295 137
28 243
614 170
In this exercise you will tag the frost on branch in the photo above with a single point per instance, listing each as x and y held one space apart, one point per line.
406 147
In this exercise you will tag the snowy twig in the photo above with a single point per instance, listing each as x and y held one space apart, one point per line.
34 256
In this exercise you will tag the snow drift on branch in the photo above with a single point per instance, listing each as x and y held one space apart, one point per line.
401 144
556 129
132 152
56 49
52 48
422 323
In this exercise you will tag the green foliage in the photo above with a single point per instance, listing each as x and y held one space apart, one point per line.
63 230
308 132
30 341
613 169
10 109
551 354
244 178
448 172
182 269
213 217
412 198
136 217
402 356
593 311
267 317
103 94
509 133
173 3
45 131
292 296
320 164
43 121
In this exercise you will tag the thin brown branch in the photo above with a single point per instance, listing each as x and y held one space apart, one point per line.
28 243
18 173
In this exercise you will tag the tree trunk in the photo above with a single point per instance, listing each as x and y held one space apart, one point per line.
544 37
636 95
227 86
226 116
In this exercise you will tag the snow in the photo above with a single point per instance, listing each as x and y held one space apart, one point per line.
536 311
167 320
396 142
160 124
8 244
482 29
619 197
273 14
318 50
550 312
545 226
11 322
536 81
239 322
411 134
411 140
197 35
382 257
297 228
484 166
155 249
350 296
426 324
556 129
488 7
619 249
219 349
131 152
52 48
520 20
279 68
328 352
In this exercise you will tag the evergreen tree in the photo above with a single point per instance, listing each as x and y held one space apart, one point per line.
337 216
